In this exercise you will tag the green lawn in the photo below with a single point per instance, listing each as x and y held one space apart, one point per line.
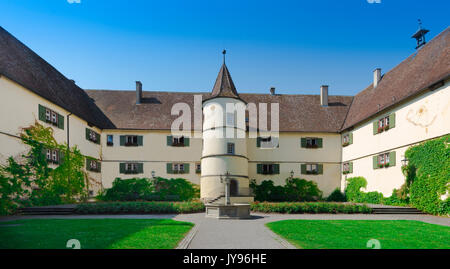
354 234
93 233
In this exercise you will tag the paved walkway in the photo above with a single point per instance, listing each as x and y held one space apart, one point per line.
211 233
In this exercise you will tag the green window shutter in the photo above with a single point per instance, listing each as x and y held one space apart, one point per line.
392 120
87 133
350 167
350 138
375 127
276 168
320 142
140 168
320 169
392 158
122 140
303 169
375 162
169 140
259 168
98 138
60 122
140 140
169 168
99 166
258 142
186 167
303 142
122 168
41 113
61 157
186 141
87 164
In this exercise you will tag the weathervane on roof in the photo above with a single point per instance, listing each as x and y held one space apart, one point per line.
224 52
420 35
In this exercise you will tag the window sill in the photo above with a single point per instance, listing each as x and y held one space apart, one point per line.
131 145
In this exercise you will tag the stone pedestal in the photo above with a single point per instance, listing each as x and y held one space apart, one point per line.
233 211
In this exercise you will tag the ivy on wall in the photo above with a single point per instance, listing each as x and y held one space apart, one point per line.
428 175
31 181
427 180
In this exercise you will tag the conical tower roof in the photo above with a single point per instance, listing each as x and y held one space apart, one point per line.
224 86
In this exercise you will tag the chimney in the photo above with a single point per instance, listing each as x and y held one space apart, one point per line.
324 95
138 92
376 77
272 90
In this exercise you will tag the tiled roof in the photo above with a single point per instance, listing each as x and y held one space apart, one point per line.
22 65
297 112
429 65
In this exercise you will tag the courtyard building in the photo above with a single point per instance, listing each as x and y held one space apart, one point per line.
322 138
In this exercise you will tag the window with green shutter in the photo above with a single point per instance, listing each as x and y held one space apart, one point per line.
311 142
347 168
384 124
169 169
259 168
131 140
178 141
276 169
320 169
303 169
375 162
92 136
303 142
347 139
49 116
392 160
268 168
311 169
93 165
131 168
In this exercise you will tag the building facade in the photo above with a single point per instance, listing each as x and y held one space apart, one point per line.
322 138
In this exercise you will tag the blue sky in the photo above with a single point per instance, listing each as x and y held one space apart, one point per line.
171 45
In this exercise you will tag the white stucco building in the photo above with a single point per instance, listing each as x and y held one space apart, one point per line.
323 138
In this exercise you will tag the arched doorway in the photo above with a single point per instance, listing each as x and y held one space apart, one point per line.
233 187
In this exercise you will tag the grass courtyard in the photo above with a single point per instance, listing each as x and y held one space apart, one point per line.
93 233
354 234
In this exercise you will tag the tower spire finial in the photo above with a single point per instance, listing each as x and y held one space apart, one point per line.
224 52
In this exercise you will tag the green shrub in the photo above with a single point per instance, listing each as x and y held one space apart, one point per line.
336 196
140 208
295 189
428 171
311 207
144 189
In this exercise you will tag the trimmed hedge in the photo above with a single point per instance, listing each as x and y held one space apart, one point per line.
315 207
140 208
